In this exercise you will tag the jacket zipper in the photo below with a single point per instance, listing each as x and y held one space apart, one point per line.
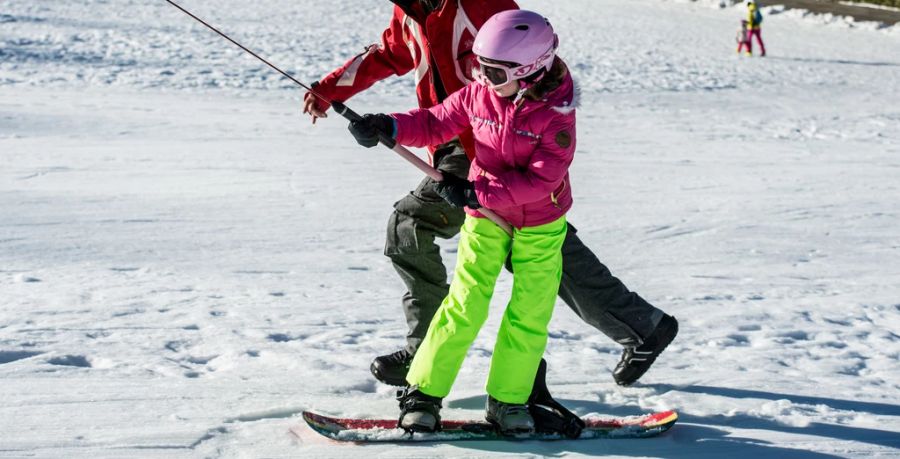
554 195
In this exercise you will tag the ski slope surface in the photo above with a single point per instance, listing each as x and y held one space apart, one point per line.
186 263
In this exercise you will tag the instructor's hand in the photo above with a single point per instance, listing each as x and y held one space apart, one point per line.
370 128
314 106
458 192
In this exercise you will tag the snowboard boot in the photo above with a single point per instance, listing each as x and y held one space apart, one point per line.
419 412
391 369
636 361
509 418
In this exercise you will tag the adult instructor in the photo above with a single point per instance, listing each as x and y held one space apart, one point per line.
434 38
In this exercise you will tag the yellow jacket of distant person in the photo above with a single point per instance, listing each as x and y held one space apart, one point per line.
754 17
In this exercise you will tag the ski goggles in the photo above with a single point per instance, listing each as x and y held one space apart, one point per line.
498 73
495 72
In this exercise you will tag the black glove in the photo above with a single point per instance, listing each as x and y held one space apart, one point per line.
370 128
458 192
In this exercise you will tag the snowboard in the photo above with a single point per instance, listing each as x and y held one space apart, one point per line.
386 430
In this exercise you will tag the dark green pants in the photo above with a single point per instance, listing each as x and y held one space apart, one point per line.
587 286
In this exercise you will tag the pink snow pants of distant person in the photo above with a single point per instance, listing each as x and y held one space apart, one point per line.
755 33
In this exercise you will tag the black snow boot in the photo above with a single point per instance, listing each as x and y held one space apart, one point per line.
392 368
419 412
636 361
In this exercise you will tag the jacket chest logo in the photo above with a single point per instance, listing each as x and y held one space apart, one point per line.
484 121
534 138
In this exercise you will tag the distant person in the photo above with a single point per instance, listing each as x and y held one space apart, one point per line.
742 38
754 19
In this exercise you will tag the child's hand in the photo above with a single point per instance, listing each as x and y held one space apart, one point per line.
458 192
368 130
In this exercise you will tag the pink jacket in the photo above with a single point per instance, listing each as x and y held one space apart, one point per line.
522 155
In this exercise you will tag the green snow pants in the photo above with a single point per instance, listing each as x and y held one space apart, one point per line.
537 266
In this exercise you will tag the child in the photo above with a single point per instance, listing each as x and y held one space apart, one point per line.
521 109
742 38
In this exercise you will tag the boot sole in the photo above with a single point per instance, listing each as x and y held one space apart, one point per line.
507 432
419 428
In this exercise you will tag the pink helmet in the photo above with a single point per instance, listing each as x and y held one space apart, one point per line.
513 45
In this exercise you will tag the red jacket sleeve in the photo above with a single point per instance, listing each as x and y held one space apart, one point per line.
432 126
377 62
546 169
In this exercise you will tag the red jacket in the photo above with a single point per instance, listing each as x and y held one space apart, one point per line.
441 42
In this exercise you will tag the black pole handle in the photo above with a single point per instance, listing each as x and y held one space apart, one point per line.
351 116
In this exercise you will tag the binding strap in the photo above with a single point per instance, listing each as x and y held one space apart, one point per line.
549 415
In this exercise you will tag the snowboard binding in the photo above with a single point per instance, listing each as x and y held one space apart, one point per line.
419 412
549 415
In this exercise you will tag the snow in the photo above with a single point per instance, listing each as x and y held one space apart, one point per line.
186 263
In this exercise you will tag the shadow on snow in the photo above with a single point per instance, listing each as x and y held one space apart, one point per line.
699 436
